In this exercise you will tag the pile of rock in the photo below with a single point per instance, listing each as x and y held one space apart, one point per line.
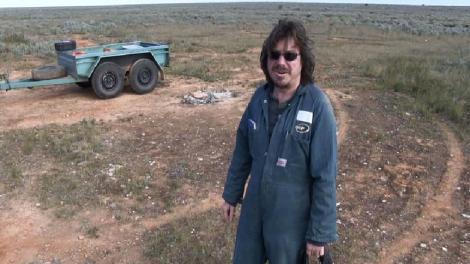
206 97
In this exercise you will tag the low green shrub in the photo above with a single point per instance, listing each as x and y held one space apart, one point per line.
438 85
14 38
204 69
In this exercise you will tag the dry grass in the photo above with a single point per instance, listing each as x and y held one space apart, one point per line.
203 239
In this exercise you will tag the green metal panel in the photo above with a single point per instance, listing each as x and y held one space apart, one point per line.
28 83
162 57
80 63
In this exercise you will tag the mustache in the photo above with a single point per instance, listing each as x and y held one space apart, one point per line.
280 68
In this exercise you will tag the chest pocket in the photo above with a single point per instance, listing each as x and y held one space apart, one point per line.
302 127
300 135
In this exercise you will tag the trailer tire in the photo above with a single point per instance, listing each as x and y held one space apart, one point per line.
143 76
65 45
107 80
48 72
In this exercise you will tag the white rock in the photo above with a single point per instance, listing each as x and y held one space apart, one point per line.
199 94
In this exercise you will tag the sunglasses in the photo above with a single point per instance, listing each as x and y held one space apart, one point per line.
288 56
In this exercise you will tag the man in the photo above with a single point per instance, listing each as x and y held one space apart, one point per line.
286 141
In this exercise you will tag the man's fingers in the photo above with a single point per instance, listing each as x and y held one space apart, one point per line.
228 212
231 212
314 251
228 216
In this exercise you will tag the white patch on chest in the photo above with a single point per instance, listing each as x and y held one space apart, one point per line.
305 116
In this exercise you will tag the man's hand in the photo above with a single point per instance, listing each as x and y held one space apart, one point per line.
314 252
228 211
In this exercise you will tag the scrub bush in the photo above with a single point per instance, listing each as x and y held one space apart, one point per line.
438 85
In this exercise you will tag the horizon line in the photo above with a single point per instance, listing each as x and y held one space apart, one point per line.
232 2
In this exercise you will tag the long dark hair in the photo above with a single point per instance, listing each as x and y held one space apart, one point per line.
294 29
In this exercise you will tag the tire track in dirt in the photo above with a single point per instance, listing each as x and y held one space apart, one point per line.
341 115
439 207
212 201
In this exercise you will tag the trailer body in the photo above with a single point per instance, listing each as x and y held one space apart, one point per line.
81 63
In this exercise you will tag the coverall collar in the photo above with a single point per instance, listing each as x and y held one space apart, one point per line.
300 90
268 88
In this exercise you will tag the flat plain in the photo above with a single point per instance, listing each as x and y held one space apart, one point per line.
138 178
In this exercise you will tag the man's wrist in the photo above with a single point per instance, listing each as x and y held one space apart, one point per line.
232 204
316 243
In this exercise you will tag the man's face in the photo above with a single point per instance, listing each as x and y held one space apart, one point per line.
284 64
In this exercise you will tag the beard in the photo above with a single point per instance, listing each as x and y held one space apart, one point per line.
283 82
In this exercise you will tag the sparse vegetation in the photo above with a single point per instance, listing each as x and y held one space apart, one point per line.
202 238
14 38
146 166
438 85
13 177
201 68
90 230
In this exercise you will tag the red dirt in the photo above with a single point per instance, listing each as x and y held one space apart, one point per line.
28 233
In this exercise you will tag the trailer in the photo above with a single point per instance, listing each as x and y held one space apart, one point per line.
106 68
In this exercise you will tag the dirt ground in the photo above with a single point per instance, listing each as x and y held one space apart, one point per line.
402 180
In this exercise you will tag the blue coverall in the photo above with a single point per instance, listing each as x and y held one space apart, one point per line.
291 195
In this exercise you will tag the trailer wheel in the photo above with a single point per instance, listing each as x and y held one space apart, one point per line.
48 72
65 45
143 76
107 80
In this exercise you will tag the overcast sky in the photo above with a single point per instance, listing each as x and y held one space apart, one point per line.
38 3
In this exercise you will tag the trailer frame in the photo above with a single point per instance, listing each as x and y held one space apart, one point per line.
81 64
